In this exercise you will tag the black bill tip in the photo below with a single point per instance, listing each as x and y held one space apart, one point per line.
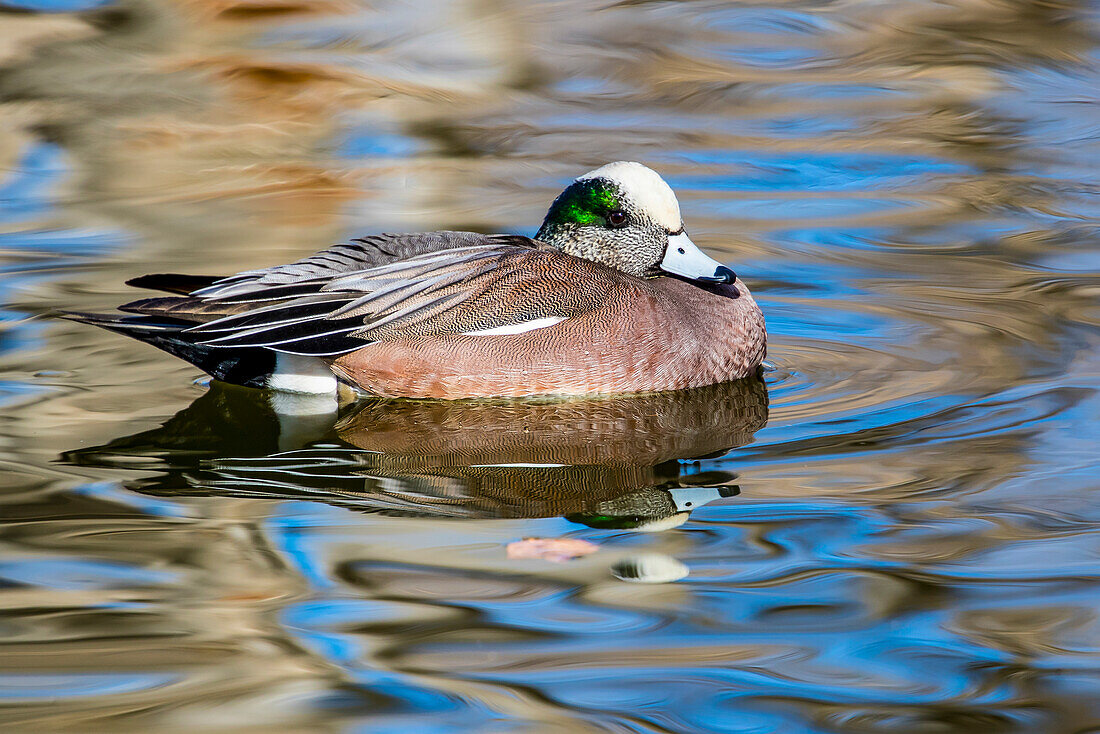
722 274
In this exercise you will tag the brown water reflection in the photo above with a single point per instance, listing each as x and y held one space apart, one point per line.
606 463
909 188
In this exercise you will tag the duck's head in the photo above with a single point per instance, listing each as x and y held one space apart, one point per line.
625 216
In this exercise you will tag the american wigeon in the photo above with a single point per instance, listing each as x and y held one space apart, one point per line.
611 296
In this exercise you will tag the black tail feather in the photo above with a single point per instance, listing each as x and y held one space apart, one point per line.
248 366
178 283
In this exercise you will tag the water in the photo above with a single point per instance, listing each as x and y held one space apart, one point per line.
900 533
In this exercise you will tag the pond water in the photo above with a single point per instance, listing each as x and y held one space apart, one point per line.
898 532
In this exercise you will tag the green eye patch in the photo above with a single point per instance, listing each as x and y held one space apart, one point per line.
585 203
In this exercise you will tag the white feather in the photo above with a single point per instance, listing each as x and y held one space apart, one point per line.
520 328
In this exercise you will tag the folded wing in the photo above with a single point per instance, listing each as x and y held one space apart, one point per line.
325 306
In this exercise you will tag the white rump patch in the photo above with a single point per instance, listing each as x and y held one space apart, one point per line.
646 187
301 374
520 328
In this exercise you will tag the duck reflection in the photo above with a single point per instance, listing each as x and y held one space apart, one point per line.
615 462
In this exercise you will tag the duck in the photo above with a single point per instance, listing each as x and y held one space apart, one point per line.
609 297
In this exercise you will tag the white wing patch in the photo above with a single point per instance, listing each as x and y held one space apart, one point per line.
516 466
520 328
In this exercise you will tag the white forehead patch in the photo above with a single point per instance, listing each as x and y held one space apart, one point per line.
646 188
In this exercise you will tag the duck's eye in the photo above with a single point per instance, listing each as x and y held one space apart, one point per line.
616 218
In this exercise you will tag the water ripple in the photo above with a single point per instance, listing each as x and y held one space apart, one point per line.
896 532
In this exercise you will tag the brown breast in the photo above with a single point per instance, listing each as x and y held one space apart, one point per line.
651 335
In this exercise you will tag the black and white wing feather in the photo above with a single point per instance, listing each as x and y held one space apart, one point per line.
326 305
